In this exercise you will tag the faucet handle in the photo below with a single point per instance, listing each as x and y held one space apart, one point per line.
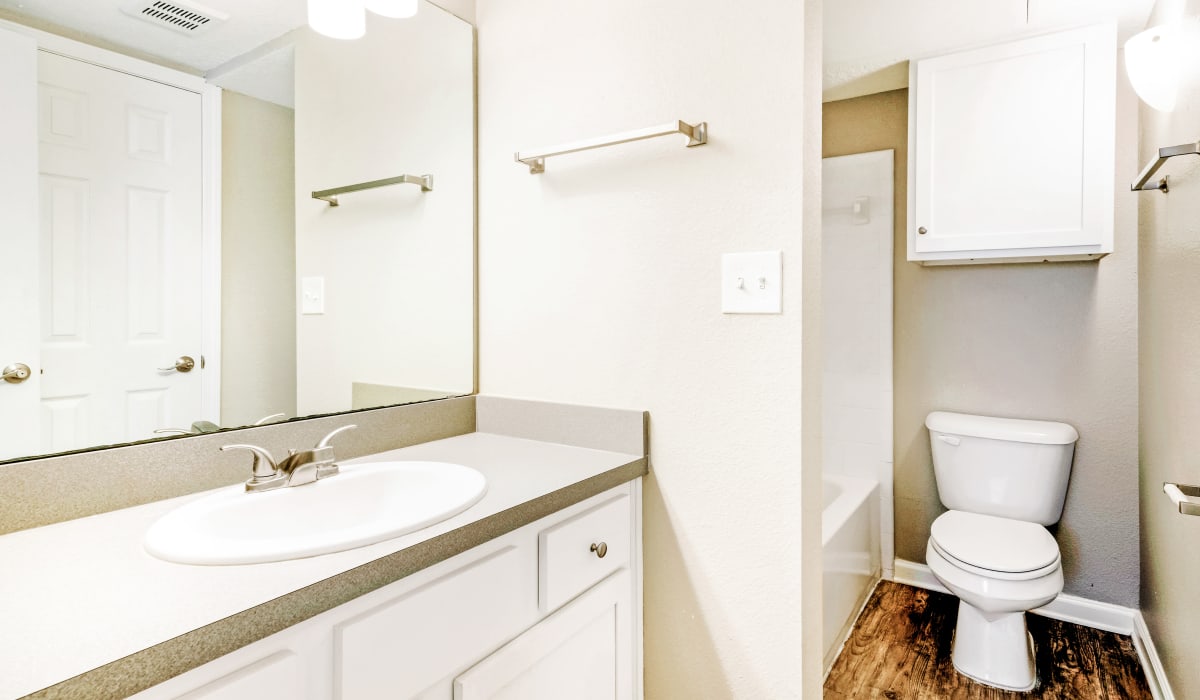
323 454
325 440
264 466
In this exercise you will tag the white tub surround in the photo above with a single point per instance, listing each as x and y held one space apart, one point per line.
93 614
850 551
856 262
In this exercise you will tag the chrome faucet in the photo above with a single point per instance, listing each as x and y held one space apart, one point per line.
297 469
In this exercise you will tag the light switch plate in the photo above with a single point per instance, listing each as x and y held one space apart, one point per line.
312 295
752 283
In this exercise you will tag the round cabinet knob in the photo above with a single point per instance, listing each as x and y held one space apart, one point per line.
600 549
922 230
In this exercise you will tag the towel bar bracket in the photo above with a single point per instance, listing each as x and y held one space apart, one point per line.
1186 149
1185 497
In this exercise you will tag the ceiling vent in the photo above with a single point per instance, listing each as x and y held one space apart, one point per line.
178 15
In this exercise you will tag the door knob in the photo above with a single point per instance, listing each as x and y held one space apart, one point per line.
600 549
16 373
183 364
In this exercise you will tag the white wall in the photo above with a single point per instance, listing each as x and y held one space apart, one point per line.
398 263
1169 285
258 250
599 283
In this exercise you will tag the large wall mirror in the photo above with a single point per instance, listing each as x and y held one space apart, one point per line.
154 296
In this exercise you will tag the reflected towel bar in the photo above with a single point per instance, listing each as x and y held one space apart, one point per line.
1187 149
536 160
425 181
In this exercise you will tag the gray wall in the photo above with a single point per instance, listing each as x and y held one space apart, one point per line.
1169 287
258 253
1051 341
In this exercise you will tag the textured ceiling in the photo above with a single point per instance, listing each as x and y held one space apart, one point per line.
867 42
251 23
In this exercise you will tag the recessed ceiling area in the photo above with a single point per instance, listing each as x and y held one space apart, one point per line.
867 43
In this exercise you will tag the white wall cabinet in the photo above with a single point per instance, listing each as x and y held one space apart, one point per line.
473 627
1012 151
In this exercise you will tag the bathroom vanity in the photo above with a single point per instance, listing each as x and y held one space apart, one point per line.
534 591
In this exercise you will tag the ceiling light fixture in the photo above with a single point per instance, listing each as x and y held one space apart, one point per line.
397 9
338 19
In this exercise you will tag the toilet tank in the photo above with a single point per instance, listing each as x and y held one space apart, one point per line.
1007 467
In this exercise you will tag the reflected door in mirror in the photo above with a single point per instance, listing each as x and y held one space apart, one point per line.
118 260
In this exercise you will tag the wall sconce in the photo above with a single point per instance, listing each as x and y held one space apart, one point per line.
347 19
1161 60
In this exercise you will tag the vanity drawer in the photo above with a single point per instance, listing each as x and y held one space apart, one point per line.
579 552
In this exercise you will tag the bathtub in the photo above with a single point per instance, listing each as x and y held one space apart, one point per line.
850 551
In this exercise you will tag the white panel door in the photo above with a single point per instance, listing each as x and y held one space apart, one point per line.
1013 144
580 652
18 243
120 254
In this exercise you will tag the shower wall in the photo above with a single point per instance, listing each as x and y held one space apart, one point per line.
857 221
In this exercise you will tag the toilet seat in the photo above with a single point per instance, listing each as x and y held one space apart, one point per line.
995 547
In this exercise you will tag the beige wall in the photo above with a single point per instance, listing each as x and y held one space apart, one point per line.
1169 284
599 283
1053 341
398 263
258 224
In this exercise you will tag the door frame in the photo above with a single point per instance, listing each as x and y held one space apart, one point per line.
210 187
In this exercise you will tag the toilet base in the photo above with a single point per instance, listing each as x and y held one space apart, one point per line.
994 648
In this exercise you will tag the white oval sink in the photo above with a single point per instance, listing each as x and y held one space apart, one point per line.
364 504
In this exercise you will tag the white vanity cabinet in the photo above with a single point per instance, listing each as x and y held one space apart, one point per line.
1012 151
537 613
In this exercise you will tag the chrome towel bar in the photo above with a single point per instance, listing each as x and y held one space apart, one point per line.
331 196
1187 149
1187 498
536 159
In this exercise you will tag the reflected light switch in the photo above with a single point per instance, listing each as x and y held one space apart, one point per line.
312 295
752 283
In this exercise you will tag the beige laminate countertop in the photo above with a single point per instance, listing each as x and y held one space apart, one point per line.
85 612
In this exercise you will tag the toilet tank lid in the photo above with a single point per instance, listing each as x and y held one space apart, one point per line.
1041 432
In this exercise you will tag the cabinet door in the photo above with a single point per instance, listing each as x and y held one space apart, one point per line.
582 652
423 636
1013 146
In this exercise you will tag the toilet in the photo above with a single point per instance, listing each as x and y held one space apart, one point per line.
1003 480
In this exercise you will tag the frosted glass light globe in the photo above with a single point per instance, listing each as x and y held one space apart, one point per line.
338 19
1152 60
398 9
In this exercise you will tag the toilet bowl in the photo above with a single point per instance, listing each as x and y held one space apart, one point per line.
998 568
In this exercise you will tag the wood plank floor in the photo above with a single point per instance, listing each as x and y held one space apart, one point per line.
900 648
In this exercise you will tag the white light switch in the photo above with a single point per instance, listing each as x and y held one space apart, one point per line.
752 283
312 295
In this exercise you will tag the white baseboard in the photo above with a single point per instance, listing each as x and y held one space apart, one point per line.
1068 608
919 575
1081 611
1156 675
